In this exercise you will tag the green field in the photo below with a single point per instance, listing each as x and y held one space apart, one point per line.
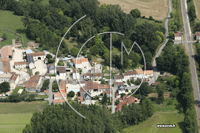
15 116
12 22
164 114
14 123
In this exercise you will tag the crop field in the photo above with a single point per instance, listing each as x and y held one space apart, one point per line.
14 122
197 8
12 22
15 116
158 9
164 114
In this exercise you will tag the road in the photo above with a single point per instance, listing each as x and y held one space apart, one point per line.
188 35
50 92
156 72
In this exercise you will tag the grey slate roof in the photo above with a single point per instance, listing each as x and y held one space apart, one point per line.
121 87
30 59
87 97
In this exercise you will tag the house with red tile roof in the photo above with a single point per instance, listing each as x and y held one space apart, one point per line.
33 83
62 86
6 51
38 56
197 35
178 36
126 100
80 63
20 65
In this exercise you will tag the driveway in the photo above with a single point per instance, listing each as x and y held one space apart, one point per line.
40 67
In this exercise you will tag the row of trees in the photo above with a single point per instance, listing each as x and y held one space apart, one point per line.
98 119
175 24
175 60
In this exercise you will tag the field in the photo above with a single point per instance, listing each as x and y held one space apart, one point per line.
197 8
164 114
15 116
158 9
12 22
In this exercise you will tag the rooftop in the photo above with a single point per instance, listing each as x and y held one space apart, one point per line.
62 84
6 64
58 95
119 77
178 33
197 33
14 77
61 69
20 63
6 51
37 54
33 81
139 71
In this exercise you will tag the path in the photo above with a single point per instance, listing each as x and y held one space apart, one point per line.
156 72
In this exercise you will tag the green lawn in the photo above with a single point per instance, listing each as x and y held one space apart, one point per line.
70 43
164 114
12 22
14 123
17 89
142 20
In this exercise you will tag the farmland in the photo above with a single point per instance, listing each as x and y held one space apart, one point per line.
164 114
15 116
197 7
12 22
158 9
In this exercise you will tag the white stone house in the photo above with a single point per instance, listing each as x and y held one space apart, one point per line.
178 36
61 71
38 56
197 35
76 74
121 89
119 78
14 80
20 65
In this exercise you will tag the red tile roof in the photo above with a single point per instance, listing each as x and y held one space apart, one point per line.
84 60
33 81
61 69
37 54
91 85
197 33
118 83
156 83
139 71
6 51
119 77
20 63
58 101
178 33
6 64
62 84
58 95
103 86
127 101
14 77
148 72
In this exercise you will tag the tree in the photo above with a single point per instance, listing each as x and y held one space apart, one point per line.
55 86
144 89
45 85
71 94
135 13
190 121
4 87
117 102
36 73
4 36
123 94
48 56
160 91
104 100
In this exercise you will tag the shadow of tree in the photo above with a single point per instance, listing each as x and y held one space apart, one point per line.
181 125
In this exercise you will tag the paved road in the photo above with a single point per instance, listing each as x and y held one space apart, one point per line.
156 72
50 92
188 34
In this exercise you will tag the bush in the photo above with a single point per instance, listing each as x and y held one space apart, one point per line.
36 73
71 94
4 36
151 18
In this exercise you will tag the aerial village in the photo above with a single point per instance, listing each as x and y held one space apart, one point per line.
85 80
